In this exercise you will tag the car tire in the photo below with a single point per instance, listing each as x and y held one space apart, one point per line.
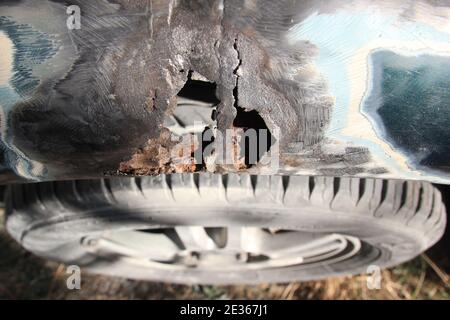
384 222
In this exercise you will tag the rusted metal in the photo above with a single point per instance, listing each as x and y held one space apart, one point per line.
92 101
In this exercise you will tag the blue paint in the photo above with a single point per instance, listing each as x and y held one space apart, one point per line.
31 48
338 36
410 102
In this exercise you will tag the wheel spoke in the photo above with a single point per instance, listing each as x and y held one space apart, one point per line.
155 246
302 244
243 239
234 238
195 238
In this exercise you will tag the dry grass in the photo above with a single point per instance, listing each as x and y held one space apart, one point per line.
24 276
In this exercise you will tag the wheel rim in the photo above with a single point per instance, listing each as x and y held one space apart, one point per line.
224 248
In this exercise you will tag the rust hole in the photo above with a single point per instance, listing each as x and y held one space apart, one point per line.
259 141
199 90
